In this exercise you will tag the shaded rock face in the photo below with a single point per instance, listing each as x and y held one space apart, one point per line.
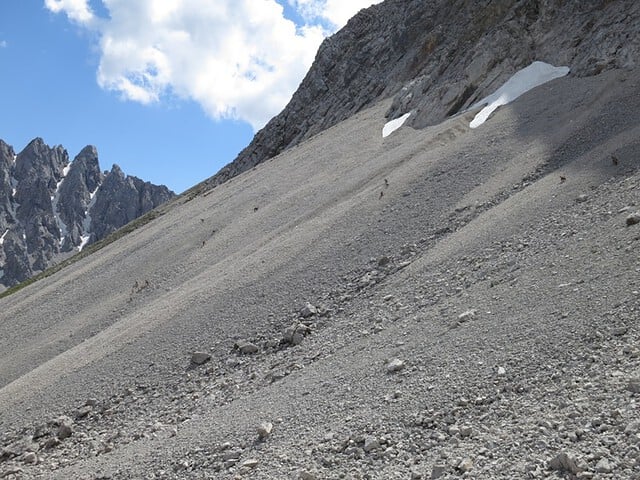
438 57
50 206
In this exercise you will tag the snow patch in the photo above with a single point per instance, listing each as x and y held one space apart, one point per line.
521 82
3 235
393 125
86 222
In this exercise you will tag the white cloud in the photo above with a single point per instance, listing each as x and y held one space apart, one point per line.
3 44
77 10
238 59
336 12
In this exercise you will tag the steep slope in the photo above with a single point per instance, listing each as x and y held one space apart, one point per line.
495 265
437 57
51 208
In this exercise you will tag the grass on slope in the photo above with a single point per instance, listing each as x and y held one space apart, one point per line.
94 247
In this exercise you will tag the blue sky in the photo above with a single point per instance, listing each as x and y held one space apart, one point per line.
170 96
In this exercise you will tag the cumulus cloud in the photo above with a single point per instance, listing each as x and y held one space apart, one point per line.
239 59
76 10
336 12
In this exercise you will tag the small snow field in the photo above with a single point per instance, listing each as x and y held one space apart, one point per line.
394 125
521 82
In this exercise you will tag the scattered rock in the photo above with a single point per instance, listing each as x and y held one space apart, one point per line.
564 463
437 471
604 466
468 315
250 463
582 198
371 443
200 358
465 431
305 475
248 348
308 311
634 385
633 219
65 427
296 333
264 430
30 457
465 465
395 365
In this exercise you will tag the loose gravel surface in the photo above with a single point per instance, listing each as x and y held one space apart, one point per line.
444 303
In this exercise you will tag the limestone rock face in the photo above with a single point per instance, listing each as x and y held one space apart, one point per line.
438 57
50 207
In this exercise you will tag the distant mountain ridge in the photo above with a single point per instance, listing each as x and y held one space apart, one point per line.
51 207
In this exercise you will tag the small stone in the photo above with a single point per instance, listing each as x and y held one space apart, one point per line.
395 365
83 412
383 261
468 315
465 465
371 443
248 348
633 219
619 331
308 310
563 462
465 431
634 385
296 333
604 466
65 427
501 371
250 463
582 198
437 471
199 358
264 430
51 443
30 457
305 475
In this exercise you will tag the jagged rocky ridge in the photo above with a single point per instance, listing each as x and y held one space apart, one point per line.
438 57
51 207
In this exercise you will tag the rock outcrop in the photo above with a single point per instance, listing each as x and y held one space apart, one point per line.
438 57
51 207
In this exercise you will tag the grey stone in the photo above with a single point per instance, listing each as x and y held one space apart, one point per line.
264 430
371 443
564 463
199 358
248 348
465 465
306 475
634 385
437 471
30 457
308 310
633 219
604 466
582 198
395 365
296 333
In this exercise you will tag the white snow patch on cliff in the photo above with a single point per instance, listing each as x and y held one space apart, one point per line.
86 223
393 125
3 235
521 82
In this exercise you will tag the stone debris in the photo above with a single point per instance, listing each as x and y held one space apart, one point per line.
634 385
306 475
465 465
468 315
295 333
564 463
200 358
308 310
395 365
633 219
264 430
248 348
437 471
371 443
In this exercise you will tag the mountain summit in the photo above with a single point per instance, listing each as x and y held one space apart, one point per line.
51 207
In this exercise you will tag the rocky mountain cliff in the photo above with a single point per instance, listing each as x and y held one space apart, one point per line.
51 207
438 57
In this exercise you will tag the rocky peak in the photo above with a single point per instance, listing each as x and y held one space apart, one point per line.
50 207
435 58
